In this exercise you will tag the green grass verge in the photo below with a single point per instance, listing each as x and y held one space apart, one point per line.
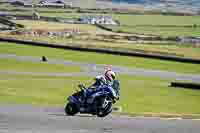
132 20
157 30
157 48
89 40
89 57
138 94
38 90
135 24
141 94
184 50
26 66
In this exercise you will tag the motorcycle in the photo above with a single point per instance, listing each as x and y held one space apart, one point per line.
98 102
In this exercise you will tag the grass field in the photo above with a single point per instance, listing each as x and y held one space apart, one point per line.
135 62
28 66
157 20
89 41
42 25
134 20
39 90
138 94
125 19
167 48
158 24
158 30
129 22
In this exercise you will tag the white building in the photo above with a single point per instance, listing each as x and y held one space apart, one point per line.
107 20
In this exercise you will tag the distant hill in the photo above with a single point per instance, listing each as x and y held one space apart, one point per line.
192 4
184 2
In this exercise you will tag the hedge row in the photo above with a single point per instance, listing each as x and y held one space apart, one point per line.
185 85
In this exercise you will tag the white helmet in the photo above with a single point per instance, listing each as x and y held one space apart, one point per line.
110 75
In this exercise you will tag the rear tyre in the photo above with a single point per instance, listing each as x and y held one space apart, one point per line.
71 109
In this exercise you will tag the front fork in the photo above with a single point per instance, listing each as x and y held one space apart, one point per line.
106 101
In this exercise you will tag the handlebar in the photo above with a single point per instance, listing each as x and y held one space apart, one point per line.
82 87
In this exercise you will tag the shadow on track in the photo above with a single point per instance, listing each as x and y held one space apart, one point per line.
78 115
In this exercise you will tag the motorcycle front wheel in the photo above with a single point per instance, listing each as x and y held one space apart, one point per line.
106 109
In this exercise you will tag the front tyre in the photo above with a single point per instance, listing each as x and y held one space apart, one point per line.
71 109
107 109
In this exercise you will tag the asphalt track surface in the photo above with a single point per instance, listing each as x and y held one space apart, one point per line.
30 119
89 69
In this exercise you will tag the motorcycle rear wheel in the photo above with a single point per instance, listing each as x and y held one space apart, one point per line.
71 109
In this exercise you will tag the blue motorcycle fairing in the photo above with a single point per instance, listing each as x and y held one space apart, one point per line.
89 92
101 91
73 99
104 90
